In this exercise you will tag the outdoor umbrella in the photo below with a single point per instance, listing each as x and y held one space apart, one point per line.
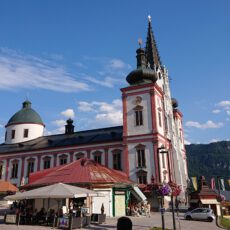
6 186
58 190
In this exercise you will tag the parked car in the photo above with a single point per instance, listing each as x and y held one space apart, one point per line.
200 214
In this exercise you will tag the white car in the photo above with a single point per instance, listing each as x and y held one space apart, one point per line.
200 214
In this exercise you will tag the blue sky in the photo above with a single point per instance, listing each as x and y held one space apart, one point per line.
70 59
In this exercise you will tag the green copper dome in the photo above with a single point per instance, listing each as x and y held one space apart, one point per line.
25 115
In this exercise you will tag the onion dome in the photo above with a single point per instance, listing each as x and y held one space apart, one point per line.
174 103
142 74
25 115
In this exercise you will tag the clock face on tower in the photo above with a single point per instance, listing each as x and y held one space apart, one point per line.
138 100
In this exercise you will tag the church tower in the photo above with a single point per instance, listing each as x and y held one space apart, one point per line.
152 124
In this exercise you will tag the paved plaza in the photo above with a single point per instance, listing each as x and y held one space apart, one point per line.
139 223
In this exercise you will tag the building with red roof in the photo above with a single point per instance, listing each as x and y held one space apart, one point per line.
148 145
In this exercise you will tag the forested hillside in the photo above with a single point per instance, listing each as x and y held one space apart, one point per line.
209 160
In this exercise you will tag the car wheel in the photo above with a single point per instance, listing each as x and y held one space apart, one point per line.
210 219
188 218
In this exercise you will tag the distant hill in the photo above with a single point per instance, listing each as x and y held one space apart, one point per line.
209 160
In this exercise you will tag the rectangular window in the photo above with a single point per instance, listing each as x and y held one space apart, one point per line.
12 134
117 161
5 136
1 171
30 168
163 160
26 132
141 158
97 158
139 117
63 161
14 173
159 118
142 179
46 163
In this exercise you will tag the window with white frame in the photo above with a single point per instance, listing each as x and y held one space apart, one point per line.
97 156
79 156
14 171
117 159
142 177
30 166
63 159
1 169
140 152
46 162
138 111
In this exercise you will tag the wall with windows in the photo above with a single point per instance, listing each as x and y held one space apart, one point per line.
23 132
134 108
141 160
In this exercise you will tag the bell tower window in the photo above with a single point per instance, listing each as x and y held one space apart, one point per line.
138 111
141 161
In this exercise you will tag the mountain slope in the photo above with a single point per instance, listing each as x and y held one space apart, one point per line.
209 160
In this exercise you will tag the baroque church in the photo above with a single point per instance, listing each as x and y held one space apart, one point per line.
148 146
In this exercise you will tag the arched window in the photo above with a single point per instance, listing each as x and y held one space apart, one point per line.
117 159
30 166
63 159
138 110
140 152
14 171
97 156
142 177
46 162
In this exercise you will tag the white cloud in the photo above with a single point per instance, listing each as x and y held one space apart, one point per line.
20 71
224 104
216 111
85 106
187 142
69 113
106 82
228 112
59 123
117 64
106 113
208 125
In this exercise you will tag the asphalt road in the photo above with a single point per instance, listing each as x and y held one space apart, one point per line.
139 223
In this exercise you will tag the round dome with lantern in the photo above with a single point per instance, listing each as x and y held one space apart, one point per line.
24 125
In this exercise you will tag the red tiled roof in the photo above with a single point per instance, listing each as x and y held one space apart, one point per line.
6 186
82 171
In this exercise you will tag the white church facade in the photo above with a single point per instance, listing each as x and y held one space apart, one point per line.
149 144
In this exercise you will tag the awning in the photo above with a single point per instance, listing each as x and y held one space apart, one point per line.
138 194
193 201
209 201
58 190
